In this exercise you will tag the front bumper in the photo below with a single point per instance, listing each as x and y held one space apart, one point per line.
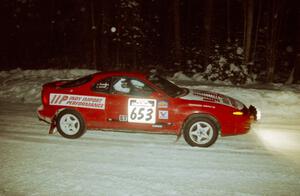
243 122
254 113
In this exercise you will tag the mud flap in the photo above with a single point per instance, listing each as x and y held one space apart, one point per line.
178 137
52 129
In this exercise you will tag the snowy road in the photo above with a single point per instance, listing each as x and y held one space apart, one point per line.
114 163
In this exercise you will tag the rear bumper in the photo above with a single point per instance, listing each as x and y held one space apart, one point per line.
42 114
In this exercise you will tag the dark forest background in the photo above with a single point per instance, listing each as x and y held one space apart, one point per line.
218 39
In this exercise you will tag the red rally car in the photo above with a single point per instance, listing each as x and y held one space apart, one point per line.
141 102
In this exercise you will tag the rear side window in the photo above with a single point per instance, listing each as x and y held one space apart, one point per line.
77 82
102 86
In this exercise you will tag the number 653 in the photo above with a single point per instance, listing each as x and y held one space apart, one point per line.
141 114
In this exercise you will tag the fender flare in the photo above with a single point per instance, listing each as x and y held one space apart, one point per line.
194 115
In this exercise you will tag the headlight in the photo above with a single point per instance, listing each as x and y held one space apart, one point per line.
255 112
258 114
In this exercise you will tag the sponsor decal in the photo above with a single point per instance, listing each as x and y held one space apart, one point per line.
123 118
201 105
102 85
142 110
163 104
81 101
157 126
163 114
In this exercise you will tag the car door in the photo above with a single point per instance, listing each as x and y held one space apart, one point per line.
131 104
100 89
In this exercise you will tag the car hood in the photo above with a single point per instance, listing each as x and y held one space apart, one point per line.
207 96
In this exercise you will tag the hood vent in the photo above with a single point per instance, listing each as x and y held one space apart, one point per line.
210 97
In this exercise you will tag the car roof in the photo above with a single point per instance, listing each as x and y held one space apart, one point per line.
120 73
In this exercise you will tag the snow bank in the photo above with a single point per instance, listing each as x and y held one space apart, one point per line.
25 85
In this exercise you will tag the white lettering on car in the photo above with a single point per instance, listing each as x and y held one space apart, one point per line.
77 101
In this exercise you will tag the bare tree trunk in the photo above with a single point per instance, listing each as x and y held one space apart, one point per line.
118 53
228 20
136 43
248 27
274 25
296 73
104 58
296 77
291 77
94 36
177 40
134 57
207 30
259 14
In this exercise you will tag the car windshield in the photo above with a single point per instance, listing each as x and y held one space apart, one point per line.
77 82
168 87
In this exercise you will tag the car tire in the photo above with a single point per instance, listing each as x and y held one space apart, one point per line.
70 124
201 131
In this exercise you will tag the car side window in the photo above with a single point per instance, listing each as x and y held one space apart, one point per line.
130 86
102 86
120 86
139 88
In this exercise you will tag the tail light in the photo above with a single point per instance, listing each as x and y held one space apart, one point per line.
45 98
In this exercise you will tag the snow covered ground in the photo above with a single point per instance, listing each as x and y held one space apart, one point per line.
264 162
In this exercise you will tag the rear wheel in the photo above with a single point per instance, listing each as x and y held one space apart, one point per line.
70 124
201 131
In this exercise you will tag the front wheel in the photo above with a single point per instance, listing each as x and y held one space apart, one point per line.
70 124
201 131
